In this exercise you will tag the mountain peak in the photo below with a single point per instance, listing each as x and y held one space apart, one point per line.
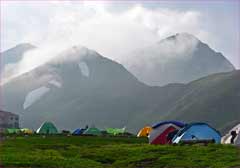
15 54
75 53
20 48
179 58
25 46
185 34
182 36
78 49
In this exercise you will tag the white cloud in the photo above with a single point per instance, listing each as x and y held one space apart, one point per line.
53 27
94 26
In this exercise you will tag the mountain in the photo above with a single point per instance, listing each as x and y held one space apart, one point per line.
213 99
12 56
15 54
177 59
76 88
80 87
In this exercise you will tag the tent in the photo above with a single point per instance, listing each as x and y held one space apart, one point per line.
144 132
47 128
12 130
237 141
115 131
78 131
227 138
92 131
197 131
161 131
26 131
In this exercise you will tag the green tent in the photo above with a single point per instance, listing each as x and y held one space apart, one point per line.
115 131
12 130
47 128
92 131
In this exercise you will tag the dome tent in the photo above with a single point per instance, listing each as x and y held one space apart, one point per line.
92 131
78 131
13 131
237 141
226 139
47 128
161 131
115 131
197 131
144 132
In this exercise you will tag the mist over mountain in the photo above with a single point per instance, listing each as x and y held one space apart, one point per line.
180 58
79 87
11 57
15 54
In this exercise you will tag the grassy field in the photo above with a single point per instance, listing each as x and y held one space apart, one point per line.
112 152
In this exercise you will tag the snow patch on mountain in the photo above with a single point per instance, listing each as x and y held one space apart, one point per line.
34 96
84 68
55 83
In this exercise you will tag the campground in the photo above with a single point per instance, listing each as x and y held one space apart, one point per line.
109 152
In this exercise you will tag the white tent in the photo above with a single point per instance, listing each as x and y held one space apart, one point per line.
227 138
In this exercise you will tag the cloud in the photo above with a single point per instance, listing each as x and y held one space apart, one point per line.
115 34
31 59
56 26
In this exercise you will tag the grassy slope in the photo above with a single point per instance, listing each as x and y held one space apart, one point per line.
111 152
213 99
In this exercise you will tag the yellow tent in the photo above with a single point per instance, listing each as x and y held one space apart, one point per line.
144 132
26 131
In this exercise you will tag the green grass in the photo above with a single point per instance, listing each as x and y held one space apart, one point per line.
111 152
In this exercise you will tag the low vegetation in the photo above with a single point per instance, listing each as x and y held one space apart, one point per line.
112 152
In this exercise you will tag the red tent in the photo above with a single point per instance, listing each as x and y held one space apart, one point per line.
161 131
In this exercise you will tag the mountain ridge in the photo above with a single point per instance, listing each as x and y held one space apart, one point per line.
92 89
180 58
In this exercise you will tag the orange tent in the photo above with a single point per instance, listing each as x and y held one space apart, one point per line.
144 132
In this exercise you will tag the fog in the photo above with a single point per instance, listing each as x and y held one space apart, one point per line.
114 35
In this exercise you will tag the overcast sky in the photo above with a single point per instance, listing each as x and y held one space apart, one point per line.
115 28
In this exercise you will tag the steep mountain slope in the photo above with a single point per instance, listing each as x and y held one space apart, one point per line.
177 59
80 87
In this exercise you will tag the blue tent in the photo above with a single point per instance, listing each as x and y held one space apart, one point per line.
78 131
177 123
197 131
